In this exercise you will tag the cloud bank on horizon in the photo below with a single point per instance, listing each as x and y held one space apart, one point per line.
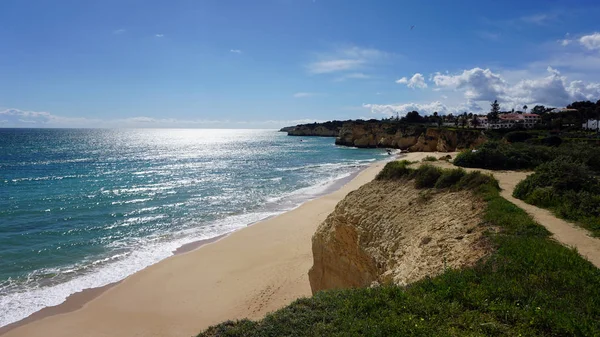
301 61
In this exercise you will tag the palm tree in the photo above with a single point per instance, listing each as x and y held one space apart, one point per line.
525 108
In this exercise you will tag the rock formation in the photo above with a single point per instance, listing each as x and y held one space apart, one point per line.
408 137
370 134
327 129
390 232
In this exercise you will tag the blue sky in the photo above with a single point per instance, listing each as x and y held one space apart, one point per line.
270 63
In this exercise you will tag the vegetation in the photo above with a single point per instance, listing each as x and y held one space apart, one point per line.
568 188
430 158
516 156
530 286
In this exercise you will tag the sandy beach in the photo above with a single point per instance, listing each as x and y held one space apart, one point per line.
246 274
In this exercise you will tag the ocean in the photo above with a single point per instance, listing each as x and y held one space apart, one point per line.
83 208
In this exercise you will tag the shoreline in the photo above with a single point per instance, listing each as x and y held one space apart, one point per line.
77 300
63 322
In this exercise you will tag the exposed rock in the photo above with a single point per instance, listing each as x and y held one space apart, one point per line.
386 233
373 133
327 129
407 137
287 129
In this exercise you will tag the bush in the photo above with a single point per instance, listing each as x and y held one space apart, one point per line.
552 141
498 156
476 179
395 170
430 158
568 188
426 176
450 178
517 136
561 174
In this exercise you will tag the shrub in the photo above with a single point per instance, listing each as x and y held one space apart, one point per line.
426 176
517 136
568 188
395 170
497 156
449 178
476 179
430 158
552 141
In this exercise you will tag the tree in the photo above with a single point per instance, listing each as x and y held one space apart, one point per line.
475 121
538 109
413 117
525 108
493 116
463 121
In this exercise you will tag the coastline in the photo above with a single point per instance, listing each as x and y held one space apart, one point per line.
255 270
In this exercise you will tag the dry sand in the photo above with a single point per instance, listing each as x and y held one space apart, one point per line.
249 273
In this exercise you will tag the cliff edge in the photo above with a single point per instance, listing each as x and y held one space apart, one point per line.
386 134
390 232
408 137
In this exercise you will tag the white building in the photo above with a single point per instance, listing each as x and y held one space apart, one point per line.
510 120
591 124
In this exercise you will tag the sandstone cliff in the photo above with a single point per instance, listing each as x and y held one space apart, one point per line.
373 133
390 232
408 137
327 129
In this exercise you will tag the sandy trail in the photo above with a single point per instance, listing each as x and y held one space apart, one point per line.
562 231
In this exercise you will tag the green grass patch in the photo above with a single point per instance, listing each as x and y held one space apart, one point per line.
529 286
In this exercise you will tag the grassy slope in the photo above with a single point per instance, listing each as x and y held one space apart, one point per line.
530 286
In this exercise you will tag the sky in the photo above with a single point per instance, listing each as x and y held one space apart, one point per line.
272 63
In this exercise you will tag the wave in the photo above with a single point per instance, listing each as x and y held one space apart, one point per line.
50 287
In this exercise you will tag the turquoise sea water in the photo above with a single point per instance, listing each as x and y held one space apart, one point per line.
85 208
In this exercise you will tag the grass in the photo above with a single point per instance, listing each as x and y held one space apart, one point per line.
529 286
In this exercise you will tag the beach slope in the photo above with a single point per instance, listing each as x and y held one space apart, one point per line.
247 274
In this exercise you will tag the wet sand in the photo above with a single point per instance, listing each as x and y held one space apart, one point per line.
246 274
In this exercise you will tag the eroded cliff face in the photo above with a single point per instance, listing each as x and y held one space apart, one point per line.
373 133
390 232
407 137
327 129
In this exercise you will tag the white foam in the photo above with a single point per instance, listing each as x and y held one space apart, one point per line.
18 305
15 306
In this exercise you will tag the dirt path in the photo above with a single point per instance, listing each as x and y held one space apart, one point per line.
562 231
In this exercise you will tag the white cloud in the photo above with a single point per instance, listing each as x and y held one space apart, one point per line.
119 31
488 35
591 42
23 118
565 42
305 94
538 19
403 109
553 89
358 76
332 66
478 84
159 35
483 85
345 59
416 81
236 51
